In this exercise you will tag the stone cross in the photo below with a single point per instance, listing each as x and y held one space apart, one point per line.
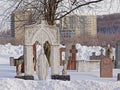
73 51
72 64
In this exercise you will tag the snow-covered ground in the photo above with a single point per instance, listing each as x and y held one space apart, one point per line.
79 80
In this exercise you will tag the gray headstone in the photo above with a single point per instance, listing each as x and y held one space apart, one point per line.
117 54
12 61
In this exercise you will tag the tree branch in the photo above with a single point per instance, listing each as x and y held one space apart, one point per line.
81 5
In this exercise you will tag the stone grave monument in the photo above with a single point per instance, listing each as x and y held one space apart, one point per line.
89 65
106 68
64 75
95 57
12 61
41 33
117 55
64 63
72 59
19 63
19 67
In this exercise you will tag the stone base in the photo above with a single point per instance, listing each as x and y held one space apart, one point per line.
118 77
19 77
28 77
61 77
25 77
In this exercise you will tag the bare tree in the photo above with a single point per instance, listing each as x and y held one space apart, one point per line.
50 9
56 9
53 10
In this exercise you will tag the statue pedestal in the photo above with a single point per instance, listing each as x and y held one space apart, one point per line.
61 77
25 77
28 77
19 77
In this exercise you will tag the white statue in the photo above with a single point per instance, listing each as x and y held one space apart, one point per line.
109 52
64 71
42 65
19 68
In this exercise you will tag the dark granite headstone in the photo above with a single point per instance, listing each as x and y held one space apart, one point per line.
117 55
61 77
118 77
25 77
106 67
28 77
